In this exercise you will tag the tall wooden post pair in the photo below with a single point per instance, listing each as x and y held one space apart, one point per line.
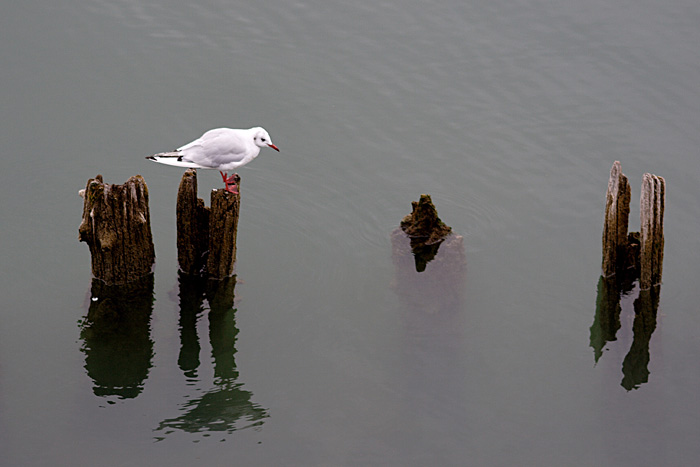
642 250
206 237
116 226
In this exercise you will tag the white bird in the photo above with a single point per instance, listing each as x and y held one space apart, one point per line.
222 149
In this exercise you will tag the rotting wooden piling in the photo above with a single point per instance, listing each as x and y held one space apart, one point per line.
637 254
223 228
192 226
206 237
617 209
423 222
652 206
116 226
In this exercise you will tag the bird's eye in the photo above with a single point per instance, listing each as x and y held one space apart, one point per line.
263 139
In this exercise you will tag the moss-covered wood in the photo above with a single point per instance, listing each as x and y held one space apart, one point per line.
116 225
424 223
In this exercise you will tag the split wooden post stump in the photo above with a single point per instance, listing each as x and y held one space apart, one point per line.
651 254
116 225
206 237
617 210
638 253
192 226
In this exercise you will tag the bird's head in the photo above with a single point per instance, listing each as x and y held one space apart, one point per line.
262 138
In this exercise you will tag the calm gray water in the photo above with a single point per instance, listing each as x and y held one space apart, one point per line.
508 113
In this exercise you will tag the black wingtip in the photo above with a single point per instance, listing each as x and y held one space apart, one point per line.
151 158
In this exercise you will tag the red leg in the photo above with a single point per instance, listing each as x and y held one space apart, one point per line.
231 181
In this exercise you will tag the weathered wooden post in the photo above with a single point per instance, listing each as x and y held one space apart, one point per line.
627 258
617 209
651 255
223 229
192 226
116 225
639 253
206 237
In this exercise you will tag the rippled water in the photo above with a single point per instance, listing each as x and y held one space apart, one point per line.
335 352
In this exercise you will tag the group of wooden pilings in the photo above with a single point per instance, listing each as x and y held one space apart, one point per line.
628 257
206 236
639 254
116 333
117 228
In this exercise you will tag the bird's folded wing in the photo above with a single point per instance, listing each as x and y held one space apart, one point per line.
176 163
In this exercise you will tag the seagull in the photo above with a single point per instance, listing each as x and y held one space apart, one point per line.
222 149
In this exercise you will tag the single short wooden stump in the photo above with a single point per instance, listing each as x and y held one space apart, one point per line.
116 225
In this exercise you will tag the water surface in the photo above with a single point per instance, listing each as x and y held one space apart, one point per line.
509 114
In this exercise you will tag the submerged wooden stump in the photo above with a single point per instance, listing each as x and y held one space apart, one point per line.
116 225
425 230
651 255
423 223
206 237
430 267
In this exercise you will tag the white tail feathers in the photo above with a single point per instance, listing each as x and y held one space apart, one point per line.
174 159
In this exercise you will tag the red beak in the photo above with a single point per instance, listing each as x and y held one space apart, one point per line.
274 147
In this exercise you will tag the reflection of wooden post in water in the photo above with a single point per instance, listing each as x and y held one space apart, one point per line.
206 237
607 315
116 225
227 406
635 365
116 337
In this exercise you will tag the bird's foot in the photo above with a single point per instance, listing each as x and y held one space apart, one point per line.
231 182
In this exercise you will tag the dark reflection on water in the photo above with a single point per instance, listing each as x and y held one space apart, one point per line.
423 253
226 407
635 365
429 278
116 337
607 316
607 323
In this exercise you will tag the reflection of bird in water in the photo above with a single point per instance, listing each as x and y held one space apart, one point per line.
222 149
